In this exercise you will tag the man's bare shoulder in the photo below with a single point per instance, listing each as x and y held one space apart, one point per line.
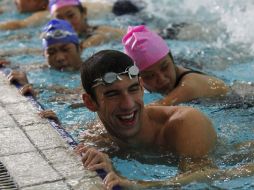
190 132
171 112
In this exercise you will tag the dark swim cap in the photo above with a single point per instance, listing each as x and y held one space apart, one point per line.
58 31
122 7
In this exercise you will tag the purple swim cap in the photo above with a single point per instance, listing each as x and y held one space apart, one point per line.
58 31
56 4
144 46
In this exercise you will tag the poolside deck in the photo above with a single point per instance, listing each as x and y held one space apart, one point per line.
35 155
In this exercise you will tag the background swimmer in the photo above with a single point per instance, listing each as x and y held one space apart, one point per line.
73 12
41 14
61 50
159 73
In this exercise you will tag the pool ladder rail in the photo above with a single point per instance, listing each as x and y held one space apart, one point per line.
6 181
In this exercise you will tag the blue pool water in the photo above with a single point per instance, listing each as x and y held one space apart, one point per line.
223 47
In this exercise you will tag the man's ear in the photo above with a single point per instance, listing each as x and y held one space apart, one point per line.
141 81
89 102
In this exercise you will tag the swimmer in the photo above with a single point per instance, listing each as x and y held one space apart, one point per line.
113 90
76 14
208 32
40 13
60 48
159 74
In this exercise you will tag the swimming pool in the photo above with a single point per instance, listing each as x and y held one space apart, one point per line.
224 48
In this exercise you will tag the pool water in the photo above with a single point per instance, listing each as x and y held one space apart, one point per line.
218 41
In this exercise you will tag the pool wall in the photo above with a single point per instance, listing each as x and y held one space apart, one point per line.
35 155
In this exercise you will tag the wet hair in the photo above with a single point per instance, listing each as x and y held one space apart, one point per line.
122 7
81 8
100 63
172 31
171 56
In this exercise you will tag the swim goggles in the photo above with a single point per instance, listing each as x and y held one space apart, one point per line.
56 34
111 77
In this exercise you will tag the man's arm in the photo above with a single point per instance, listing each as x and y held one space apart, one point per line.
211 174
93 160
189 132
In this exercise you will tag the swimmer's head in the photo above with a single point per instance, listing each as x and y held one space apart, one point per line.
56 4
72 11
58 31
144 46
104 63
31 5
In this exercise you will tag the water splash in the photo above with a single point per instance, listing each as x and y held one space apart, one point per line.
230 20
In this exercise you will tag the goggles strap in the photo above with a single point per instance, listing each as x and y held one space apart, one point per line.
118 77
131 71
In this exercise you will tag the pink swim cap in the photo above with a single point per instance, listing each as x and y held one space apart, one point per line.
144 46
56 4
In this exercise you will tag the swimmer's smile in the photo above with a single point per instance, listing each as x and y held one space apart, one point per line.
127 120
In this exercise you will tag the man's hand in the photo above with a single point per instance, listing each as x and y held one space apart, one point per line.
93 159
27 89
49 114
18 76
4 62
112 180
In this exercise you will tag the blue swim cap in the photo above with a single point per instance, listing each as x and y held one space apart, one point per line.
58 31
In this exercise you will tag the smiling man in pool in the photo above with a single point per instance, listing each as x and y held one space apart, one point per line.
113 90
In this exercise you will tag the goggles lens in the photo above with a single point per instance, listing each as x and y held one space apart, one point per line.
56 34
111 77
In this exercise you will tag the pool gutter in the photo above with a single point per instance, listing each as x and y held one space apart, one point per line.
33 152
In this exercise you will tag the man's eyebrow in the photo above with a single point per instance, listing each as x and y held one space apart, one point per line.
116 90
134 84
110 91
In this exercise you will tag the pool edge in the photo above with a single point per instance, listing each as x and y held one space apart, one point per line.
25 137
